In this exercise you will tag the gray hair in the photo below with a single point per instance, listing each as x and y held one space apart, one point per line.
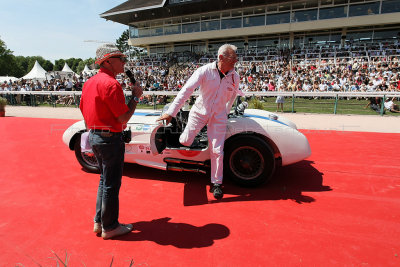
223 50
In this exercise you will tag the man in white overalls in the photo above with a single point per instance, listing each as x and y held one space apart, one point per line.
218 85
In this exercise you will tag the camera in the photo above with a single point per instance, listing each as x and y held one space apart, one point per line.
127 135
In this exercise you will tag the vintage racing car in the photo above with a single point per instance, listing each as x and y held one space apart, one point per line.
256 143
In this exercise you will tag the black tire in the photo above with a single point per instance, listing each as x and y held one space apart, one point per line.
87 160
248 160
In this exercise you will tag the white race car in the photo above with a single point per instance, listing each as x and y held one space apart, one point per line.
256 143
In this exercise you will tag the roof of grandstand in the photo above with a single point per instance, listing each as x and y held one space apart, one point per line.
139 10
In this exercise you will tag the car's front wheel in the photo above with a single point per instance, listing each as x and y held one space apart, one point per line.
87 159
248 160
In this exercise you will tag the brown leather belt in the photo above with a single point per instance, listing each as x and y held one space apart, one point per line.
105 133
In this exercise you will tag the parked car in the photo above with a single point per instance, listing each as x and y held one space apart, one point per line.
256 143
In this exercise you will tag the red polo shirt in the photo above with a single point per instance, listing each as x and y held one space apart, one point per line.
102 102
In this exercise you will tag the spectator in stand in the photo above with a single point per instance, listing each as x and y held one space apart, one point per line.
383 86
354 87
335 85
271 86
370 86
323 86
306 86
393 87
315 86
68 85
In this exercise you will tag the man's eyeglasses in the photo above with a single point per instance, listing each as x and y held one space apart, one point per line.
123 59
231 58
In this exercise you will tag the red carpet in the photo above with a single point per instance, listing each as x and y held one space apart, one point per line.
341 206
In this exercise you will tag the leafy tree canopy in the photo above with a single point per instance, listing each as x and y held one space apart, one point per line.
7 61
124 47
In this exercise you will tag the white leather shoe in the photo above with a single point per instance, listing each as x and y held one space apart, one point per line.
120 230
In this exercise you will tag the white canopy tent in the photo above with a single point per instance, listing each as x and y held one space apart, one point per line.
87 71
7 79
36 73
67 68
65 73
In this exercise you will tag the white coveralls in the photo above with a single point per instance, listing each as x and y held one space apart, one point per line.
212 107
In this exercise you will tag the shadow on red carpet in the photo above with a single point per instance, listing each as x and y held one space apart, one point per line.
290 182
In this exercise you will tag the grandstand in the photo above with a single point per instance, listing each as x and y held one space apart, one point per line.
257 27
324 46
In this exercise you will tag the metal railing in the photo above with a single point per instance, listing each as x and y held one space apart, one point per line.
31 98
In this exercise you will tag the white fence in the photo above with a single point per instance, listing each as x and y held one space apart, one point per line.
255 93
73 97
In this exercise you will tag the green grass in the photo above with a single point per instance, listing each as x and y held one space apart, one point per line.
320 106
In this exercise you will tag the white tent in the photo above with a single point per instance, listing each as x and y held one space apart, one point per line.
67 68
36 73
68 71
7 79
86 69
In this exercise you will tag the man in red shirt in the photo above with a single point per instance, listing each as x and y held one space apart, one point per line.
106 114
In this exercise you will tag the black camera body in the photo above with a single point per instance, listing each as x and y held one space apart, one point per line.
127 135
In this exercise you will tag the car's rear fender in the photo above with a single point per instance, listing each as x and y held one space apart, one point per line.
72 133
287 142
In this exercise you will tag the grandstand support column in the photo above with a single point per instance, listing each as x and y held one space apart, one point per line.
291 40
383 105
293 103
154 102
343 39
148 50
246 45
336 103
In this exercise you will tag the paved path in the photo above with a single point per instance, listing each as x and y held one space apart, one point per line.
358 123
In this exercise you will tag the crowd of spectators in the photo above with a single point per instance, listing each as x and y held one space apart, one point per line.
56 84
362 68
357 69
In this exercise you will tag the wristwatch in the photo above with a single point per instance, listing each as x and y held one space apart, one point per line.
136 99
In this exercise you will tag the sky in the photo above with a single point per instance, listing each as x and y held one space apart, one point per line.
57 29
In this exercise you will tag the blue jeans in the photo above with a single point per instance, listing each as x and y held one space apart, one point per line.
109 152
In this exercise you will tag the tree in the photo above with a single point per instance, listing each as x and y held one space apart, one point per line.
122 42
124 47
81 65
46 64
19 66
6 60
59 64
73 63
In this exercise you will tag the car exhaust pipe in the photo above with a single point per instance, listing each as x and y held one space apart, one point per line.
184 165
181 169
185 161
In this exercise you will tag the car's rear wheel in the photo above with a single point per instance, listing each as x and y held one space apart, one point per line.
248 160
87 159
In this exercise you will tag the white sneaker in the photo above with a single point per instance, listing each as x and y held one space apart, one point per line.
120 230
